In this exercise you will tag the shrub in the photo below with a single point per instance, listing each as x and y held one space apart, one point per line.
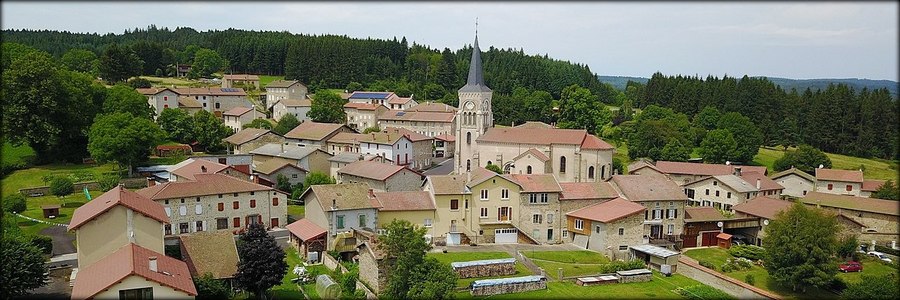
708 264
699 292
837 284
750 279
210 288
108 181
45 243
14 203
750 252
736 264
61 186
887 250
81 176
622 266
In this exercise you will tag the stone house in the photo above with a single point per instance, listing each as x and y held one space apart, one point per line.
217 100
665 202
609 227
878 218
340 160
363 115
297 107
720 191
578 195
839 182
284 89
314 134
340 208
249 139
387 99
187 170
539 208
237 117
189 104
381 176
422 146
443 145
869 187
417 207
240 162
311 159
686 172
796 183
429 119
160 98
373 265
229 80
267 172
210 252
393 146
344 142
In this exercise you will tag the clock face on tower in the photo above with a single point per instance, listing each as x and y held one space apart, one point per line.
470 105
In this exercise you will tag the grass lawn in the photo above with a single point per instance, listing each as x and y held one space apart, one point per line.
573 263
289 290
31 177
450 257
761 277
68 203
622 154
298 211
874 168
16 155
871 266
658 288
264 80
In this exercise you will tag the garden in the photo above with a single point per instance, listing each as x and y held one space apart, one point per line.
573 263
447 258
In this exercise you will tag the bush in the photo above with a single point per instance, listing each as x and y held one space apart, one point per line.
708 264
61 186
45 243
750 252
108 181
14 203
139 83
622 266
750 279
887 250
736 264
837 284
210 288
698 292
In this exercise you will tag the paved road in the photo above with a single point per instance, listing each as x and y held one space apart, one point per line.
444 167
63 241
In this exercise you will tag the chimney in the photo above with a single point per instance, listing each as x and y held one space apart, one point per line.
153 267
371 193
282 147
202 169
333 204
758 184
150 182
737 171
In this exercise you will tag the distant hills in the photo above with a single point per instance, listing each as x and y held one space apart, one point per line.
786 84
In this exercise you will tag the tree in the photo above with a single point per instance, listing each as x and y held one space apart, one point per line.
23 267
675 151
745 133
209 288
61 186
718 147
209 131
81 60
653 128
494 168
259 123
317 178
846 246
108 181
708 118
411 275
806 158
139 83
123 138
119 63
14 203
207 61
888 191
327 107
354 86
283 183
372 129
262 263
873 287
580 109
122 98
177 123
286 124
800 246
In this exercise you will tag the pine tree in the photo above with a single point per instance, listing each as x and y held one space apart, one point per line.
262 264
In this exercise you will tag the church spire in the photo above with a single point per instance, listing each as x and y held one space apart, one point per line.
475 81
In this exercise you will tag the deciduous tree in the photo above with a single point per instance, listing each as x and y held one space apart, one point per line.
745 133
262 264
208 61
209 131
23 267
412 275
81 60
806 158
209 288
286 124
178 124
259 123
327 107
579 108
125 99
675 151
718 147
61 186
117 64
123 138
800 245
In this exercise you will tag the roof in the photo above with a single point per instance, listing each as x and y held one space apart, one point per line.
246 135
372 170
541 136
534 124
794 171
130 260
285 151
305 229
296 102
675 167
153 91
723 236
348 196
872 185
281 83
198 166
404 201
237 111
640 164
203 185
736 183
400 100
702 214
313 131
188 102
609 211
212 91
432 107
839 175
270 166
536 183
117 196
508 280
345 157
872 205
648 188
593 142
211 252
763 207
448 184
480 174
241 77
765 183
475 79
347 138
533 152
370 95
463 264
654 250
417 116
382 137
362 106
587 191
446 137
409 134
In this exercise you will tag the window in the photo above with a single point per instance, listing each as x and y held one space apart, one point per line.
454 204
549 218
235 205
165 106
603 172
235 194
292 176
274 201
544 198
221 206
220 196
484 194
236 222
717 193
672 213
536 218
217 105
621 231
484 212
339 222
623 248
168 229
707 192
466 203
221 223
252 203
562 165
532 198
671 229
504 213
504 194
597 229
427 222
591 172
528 170
565 233
362 220
165 98
830 186
849 187
468 138
183 227
198 225
198 199
715 182
657 214
468 165
141 293
579 224
728 195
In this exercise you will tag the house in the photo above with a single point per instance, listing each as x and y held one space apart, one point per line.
443 145
114 220
314 134
217 202
702 225
217 100
134 272
839 182
387 99
342 159
417 207
765 185
796 183
720 191
268 172
422 146
877 218
665 203
532 161
160 98
609 227
344 142
297 107
307 237
394 146
380 176
339 208
244 141
430 119
229 80
870 186
189 104
187 169
578 195
539 208
213 253
401 103
241 162
181 70
373 265
763 209
685 172
307 158
284 89
361 116
237 117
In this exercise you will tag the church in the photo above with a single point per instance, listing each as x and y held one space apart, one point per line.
572 155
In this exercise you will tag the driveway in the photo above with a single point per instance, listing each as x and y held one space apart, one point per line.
63 241
443 167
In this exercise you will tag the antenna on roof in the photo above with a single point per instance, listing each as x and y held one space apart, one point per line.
476 26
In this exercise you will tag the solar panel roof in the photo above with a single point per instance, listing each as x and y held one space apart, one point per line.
371 95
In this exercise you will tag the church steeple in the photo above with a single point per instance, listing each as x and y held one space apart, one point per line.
475 81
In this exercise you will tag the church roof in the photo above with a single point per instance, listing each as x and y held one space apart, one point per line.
475 81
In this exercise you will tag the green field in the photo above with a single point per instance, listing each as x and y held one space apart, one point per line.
874 168
450 257
264 80
32 177
658 288
298 211
573 263
289 290
16 156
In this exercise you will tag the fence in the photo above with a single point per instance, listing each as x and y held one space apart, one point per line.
734 287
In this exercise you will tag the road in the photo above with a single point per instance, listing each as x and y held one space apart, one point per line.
444 167
63 241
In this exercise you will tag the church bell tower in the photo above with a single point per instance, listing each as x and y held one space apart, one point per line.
474 116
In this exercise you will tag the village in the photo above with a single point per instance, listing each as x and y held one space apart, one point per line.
529 210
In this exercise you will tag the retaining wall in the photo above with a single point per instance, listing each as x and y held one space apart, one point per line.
734 287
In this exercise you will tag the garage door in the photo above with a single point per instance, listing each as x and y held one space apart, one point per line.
506 236
453 238
709 238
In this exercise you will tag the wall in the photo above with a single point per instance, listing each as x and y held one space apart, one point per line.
713 185
838 188
209 212
690 268
427 128
551 217
577 160
444 216
537 166
632 235
494 186
372 183
405 180
77 188
422 153
416 217
665 222
317 161
136 282
101 236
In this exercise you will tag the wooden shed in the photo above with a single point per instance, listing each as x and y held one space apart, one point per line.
723 240
51 211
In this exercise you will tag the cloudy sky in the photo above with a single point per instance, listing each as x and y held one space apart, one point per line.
794 40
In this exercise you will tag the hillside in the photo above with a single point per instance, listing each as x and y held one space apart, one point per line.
786 84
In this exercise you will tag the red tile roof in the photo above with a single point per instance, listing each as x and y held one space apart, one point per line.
347 138
399 100
446 137
205 184
417 116
542 136
131 260
593 142
839 175
404 201
199 166
702 214
536 183
432 107
763 206
372 170
296 102
872 185
674 167
305 229
533 152
237 111
117 196
246 135
212 91
608 211
153 91
534 124
241 77
314 131
587 191
765 183
648 188
409 134
362 106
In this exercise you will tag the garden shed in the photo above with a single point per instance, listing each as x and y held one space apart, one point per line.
50 211
723 240
485 268
656 256
500 286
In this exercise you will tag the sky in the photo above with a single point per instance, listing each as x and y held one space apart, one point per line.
792 40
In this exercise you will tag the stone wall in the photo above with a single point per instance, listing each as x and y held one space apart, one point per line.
77 188
731 286
491 270
509 288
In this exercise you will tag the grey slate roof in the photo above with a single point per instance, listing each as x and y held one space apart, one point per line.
289 151
475 81
346 157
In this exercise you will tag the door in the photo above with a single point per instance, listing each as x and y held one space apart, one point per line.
655 231
506 236
549 234
453 226
453 238
709 239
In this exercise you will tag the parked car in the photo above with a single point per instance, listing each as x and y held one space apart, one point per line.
851 266
738 239
880 256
